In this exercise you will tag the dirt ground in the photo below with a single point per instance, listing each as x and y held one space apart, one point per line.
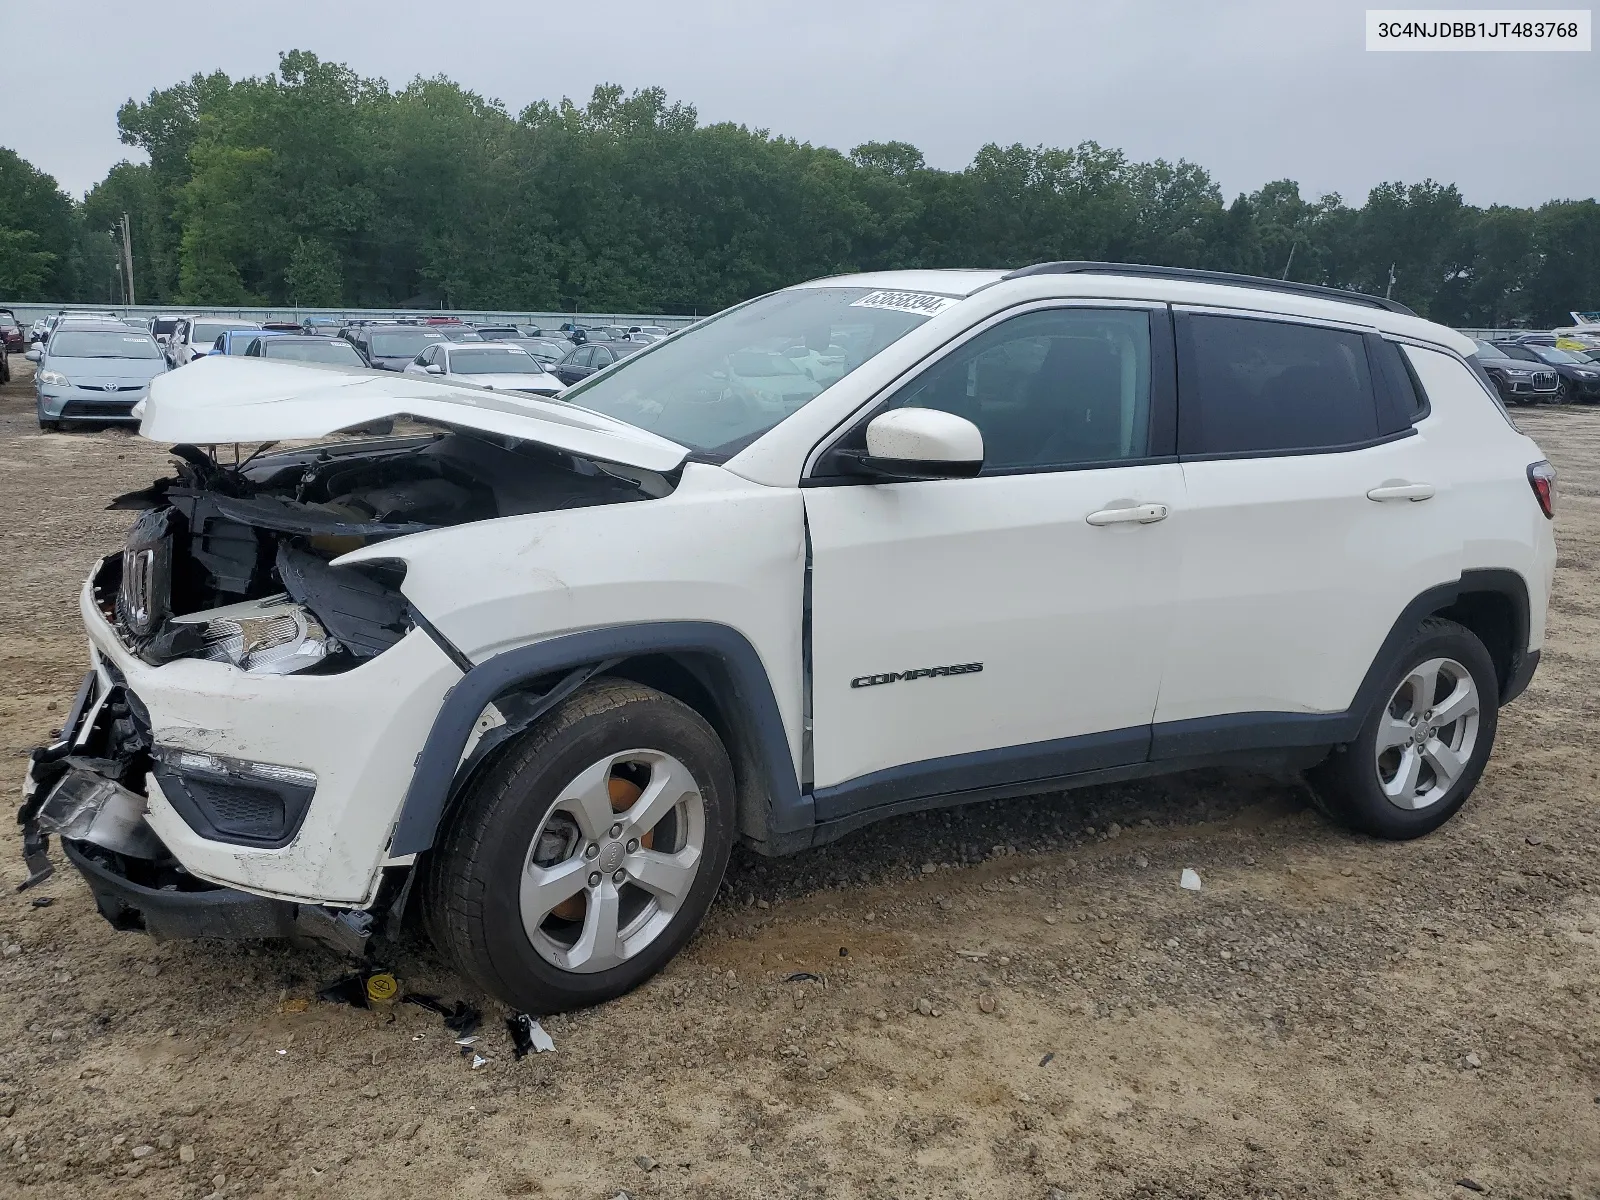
1331 1016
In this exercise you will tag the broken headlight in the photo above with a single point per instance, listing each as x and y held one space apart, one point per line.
272 636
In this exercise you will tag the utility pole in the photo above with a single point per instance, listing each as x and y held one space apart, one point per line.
1290 263
1390 288
124 228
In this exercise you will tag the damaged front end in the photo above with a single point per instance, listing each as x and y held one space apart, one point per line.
235 563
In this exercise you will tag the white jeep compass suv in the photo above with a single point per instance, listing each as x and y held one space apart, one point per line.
530 667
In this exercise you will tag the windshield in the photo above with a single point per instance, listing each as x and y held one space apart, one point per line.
1551 355
403 343
206 332
78 344
543 351
683 388
504 361
752 363
293 349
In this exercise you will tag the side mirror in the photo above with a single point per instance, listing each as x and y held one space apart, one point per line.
435 369
33 355
917 443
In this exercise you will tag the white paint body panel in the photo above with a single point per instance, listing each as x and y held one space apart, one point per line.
1068 619
359 732
223 399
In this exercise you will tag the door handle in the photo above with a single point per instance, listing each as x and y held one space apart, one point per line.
1402 491
1142 514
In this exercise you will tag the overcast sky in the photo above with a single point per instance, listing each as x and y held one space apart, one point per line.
1252 91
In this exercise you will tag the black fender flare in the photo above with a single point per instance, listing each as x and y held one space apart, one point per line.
433 781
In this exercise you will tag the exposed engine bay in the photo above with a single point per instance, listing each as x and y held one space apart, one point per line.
231 561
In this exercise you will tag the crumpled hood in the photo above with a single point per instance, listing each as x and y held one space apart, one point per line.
220 399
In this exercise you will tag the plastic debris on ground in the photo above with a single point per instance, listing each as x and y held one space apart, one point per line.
478 1060
1189 881
462 1019
42 901
527 1035
802 977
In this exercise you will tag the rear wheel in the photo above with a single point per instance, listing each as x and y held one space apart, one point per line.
1422 748
585 858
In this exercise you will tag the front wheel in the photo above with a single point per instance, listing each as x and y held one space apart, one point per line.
1425 743
585 857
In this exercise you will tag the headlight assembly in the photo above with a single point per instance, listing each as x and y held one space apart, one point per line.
54 379
273 636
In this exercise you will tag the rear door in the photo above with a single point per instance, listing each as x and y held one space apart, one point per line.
1313 517
983 632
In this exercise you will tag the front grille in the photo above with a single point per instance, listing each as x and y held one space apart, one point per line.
97 408
111 387
1544 381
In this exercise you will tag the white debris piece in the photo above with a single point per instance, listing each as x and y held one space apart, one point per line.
1189 881
542 1041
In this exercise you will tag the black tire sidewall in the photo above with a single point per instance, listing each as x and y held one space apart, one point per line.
1362 798
507 963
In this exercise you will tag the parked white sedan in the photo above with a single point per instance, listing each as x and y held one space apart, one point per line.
487 364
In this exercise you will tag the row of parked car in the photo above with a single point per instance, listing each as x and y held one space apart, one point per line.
97 367
1535 368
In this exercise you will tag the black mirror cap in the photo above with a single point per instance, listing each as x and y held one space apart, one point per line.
901 470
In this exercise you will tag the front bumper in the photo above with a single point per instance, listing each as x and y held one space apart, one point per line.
75 404
358 732
216 912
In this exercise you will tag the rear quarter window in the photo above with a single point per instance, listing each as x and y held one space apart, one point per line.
1255 386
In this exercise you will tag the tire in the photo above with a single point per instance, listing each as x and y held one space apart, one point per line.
49 426
519 823
1351 783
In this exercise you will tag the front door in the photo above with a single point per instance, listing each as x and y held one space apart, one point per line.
991 631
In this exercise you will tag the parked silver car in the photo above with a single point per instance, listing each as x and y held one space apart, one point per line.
487 364
93 371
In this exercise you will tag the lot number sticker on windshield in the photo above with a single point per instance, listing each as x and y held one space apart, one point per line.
920 303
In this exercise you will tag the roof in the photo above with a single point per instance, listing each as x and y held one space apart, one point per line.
961 282
1175 286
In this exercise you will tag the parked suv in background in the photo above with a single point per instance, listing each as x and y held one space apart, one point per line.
1517 380
194 337
1579 379
1063 525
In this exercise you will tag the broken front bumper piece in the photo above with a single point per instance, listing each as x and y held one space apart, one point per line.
78 790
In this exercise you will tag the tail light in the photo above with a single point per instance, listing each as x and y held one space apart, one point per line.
1542 478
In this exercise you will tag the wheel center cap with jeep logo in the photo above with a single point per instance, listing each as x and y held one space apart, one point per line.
611 856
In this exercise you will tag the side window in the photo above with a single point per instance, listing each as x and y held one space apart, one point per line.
1408 395
1248 385
1056 388
603 357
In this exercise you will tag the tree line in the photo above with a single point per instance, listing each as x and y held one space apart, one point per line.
316 187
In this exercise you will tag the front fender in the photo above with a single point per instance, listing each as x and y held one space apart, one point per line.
749 706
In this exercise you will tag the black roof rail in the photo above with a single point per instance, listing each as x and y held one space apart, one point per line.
1314 290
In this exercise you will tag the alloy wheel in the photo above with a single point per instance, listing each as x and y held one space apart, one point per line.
613 861
1427 733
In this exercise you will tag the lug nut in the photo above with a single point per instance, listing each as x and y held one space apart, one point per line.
594 879
616 829
620 877
633 844
592 849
